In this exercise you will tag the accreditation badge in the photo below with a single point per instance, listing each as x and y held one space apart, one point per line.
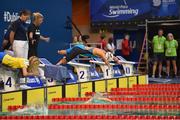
169 50
159 46
37 32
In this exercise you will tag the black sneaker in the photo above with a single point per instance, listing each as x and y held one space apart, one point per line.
168 77
175 76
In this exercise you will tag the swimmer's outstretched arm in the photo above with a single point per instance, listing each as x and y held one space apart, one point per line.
103 99
89 101
116 60
105 61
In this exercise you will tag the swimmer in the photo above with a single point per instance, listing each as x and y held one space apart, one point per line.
28 67
71 53
36 109
98 98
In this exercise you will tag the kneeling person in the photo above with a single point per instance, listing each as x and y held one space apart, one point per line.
28 67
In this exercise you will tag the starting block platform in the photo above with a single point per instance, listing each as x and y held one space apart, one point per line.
164 80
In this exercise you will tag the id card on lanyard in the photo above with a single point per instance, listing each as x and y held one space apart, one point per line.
159 44
169 47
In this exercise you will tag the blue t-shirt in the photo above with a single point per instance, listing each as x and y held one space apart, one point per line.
2 54
20 29
79 45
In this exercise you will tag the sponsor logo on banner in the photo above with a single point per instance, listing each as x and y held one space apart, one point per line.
33 80
12 16
157 3
168 1
117 10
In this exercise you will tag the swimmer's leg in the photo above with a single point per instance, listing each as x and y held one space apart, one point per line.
62 52
71 55
62 61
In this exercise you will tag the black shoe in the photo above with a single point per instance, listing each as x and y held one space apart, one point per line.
175 76
168 77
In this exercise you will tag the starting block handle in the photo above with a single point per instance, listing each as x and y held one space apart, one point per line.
127 62
100 62
78 64
123 61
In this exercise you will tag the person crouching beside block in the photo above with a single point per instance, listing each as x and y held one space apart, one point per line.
28 67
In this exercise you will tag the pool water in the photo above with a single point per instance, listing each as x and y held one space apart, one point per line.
43 110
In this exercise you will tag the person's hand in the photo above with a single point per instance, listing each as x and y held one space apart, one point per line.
47 39
33 41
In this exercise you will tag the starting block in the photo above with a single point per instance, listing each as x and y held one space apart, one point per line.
117 72
44 62
107 72
127 66
94 74
52 73
82 71
72 77
9 77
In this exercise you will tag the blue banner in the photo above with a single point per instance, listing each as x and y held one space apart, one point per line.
54 12
120 10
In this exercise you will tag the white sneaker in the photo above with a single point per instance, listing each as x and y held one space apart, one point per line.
160 76
153 76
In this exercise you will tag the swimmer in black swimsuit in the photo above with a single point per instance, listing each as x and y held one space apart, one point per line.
81 49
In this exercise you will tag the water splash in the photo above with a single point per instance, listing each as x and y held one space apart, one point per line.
32 110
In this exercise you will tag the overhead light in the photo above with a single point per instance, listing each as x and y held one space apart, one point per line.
169 24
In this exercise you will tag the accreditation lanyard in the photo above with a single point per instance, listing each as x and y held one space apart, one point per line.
159 43
170 46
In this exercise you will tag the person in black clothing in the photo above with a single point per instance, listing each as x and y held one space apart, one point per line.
34 34
18 35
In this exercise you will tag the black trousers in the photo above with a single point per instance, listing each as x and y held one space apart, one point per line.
33 50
